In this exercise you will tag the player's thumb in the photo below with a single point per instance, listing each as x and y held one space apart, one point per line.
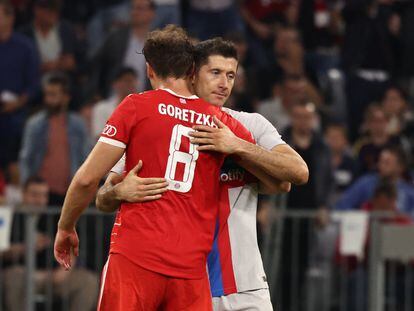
137 168
218 122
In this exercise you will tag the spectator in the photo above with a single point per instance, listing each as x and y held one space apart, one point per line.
55 39
124 84
201 13
121 48
368 56
19 83
395 106
260 18
377 137
287 55
79 285
320 24
294 89
303 137
391 165
315 195
109 17
166 12
343 163
384 199
55 141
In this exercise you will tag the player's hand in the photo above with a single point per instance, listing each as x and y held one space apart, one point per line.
220 139
136 189
66 243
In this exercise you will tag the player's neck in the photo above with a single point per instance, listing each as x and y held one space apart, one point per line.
178 86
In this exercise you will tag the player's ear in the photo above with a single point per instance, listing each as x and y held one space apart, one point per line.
150 71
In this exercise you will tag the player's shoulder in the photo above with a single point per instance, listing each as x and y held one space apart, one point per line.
248 119
243 114
139 98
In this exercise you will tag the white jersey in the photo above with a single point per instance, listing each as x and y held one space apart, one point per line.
234 263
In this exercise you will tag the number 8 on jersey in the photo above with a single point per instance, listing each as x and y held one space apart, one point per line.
176 157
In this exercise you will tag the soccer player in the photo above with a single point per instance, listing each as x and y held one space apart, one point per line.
237 281
159 248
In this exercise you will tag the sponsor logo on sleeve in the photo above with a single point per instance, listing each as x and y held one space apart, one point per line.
109 130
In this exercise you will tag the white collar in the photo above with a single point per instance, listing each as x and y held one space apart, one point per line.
178 95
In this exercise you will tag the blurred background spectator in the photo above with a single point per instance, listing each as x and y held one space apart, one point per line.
80 285
55 142
19 84
343 162
392 165
123 48
124 84
54 38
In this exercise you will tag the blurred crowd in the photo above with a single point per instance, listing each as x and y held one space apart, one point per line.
335 77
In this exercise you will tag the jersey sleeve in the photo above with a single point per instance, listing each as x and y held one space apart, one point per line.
117 130
237 128
119 167
265 134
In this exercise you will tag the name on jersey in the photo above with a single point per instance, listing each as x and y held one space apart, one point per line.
186 115
232 175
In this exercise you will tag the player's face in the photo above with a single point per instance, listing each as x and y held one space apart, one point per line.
214 81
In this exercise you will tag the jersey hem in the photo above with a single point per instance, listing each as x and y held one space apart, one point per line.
112 142
166 272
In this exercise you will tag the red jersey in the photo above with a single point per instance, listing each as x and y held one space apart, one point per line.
174 234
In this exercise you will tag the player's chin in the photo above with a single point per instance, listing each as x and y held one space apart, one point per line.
218 100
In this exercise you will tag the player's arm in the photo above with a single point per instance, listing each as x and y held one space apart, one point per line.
81 191
132 189
281 163
107 200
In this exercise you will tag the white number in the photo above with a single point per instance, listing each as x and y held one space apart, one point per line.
176 156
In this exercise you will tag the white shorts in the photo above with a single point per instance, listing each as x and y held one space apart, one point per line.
254 300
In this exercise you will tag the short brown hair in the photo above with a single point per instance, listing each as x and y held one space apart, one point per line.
170 52
7 7
216 46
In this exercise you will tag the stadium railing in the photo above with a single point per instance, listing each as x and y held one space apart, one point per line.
302 258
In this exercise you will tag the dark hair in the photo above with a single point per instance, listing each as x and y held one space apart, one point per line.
216 46
169 51
54 5
385 187
125 71
60 79
33 180
7 7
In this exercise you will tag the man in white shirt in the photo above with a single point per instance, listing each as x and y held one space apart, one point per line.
125 83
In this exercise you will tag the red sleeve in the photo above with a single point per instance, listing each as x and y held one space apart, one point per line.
118 128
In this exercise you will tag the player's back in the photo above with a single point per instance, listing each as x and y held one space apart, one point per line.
174 234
